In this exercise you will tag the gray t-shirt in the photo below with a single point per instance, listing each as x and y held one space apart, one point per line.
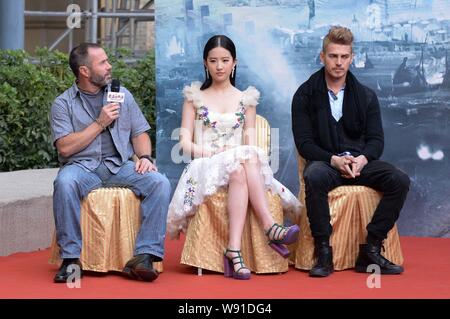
70 114
95 103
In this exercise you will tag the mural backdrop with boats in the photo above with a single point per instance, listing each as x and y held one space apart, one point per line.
401 51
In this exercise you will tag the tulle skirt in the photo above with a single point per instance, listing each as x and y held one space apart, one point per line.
204 176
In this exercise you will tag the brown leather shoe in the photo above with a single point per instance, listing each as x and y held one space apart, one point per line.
140 267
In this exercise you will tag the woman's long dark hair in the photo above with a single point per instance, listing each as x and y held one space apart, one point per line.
214 42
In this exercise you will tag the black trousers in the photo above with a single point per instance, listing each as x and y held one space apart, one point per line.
321 177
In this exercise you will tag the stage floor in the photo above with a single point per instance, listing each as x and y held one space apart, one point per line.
427 275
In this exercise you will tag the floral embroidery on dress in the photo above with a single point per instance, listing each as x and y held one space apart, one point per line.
218 135
203 115
190 192
240 115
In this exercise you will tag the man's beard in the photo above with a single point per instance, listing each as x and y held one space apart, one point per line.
99 81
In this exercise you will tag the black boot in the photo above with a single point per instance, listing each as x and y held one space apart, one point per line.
324 266
63 273
370 254
140 267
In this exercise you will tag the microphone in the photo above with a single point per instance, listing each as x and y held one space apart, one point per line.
115 85
114 95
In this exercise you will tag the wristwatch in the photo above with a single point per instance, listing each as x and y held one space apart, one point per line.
147 157
346 153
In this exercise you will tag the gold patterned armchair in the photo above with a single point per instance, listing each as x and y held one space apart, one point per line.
351 209
207 232
110 222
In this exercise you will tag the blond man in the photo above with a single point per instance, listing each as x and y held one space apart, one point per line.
337 128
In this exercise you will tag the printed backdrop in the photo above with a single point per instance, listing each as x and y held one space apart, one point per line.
401 51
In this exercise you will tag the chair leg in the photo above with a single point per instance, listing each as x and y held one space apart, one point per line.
199 271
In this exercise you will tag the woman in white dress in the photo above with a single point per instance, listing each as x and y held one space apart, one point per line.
216 116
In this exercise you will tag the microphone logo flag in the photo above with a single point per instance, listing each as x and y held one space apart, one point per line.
115 97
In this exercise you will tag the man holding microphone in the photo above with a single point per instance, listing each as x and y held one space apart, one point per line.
96 132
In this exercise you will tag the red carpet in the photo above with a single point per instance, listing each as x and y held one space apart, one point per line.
427 275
